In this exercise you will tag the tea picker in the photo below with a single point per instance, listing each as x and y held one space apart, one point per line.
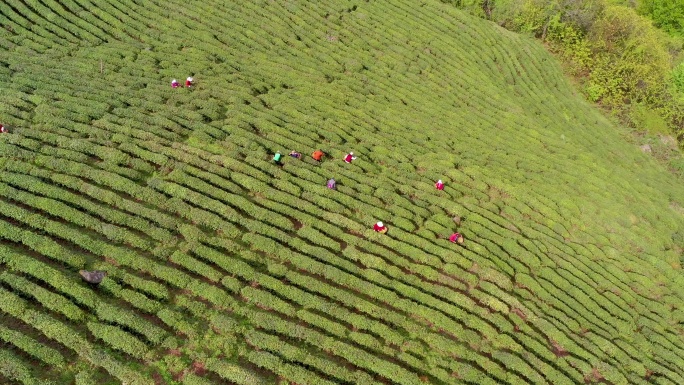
317 155
94 277
277 157
380 228
456 238
349 157
295 154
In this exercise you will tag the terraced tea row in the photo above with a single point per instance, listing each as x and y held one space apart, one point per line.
223 267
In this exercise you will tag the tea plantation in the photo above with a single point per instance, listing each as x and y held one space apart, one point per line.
225 268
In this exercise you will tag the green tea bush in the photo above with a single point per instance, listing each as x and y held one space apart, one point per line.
84 377
234 373
215 295
116 315
32 347
118 339
13 368
111 169
195 266
46 298
177 322
192 379
55 279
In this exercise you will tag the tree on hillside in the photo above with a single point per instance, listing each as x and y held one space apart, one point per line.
631 64
536 16
666 14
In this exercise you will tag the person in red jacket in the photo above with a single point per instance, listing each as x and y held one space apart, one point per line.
456 238
2 129
188 82
349 157
317 155
174 83
439 185
380 228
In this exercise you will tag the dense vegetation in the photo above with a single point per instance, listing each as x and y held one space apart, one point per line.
627 55
223 267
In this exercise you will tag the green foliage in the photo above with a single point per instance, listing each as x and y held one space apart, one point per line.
222 266
32 347
630 62
85 378
14 369
233 373
113 314
192 379
678 78
50 300
666 14
118 339
648 120
619 56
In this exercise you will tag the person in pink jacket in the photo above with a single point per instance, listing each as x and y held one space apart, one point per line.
174 83
456 238
439 185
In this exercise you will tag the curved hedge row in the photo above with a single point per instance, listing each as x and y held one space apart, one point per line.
224 267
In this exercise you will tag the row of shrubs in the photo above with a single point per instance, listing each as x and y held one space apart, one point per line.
55 330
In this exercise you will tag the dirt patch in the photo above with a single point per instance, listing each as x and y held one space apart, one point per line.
174 352
199 368
179 376
676 207
296 223
158 379
558 350
258 195
648 374
519 313
593 377
112 262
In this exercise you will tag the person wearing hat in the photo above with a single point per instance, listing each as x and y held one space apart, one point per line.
349 157
188 82
2 129
439 185
295 154
94 277
317 155
174 83
380 228
456 238
331 184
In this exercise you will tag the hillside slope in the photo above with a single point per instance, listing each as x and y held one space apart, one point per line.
225 268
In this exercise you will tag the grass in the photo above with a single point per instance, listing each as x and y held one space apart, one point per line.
225 268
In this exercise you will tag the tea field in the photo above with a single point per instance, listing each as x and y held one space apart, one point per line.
225 268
